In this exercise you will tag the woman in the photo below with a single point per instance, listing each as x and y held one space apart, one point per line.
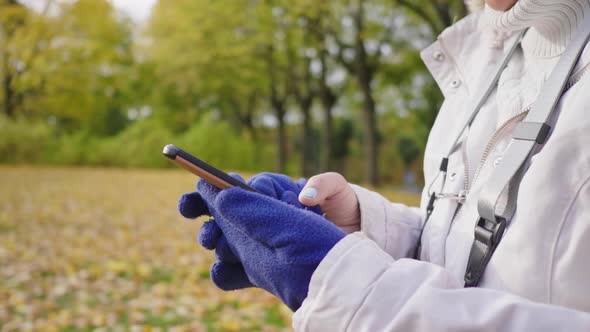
360 272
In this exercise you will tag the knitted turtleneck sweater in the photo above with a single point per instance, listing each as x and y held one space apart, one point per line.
551 24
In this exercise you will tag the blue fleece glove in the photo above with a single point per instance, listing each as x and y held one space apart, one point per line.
281 187
228 273
279 245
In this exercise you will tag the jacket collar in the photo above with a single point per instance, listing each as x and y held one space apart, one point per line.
466 52
462 54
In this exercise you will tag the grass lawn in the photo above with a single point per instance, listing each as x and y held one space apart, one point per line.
83 248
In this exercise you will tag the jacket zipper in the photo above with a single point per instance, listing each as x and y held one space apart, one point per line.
500 132
489 147
491 144
467 184
465 166
494 141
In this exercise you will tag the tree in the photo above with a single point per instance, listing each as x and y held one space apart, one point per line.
328 99
70 65
438 15
88 67
301 52
364 65
313 15
279 94
23 34
206 58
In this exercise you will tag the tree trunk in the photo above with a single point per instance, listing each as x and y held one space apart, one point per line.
278 103
8 94
327 138
328 99
248 118
370 135
307 168
244 115
364 73
249 124
281 141
278 106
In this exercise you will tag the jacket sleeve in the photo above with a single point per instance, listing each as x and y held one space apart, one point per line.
359 287
394 227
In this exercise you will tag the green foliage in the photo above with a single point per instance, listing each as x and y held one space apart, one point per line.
24 141
139 145
73 65
343 133
206 56
216 143
224 79
408 149
72 149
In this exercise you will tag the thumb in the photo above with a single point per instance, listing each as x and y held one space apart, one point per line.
336 199
321 188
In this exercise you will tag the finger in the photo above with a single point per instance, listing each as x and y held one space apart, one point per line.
192 205
322 187
209 235
237 177
290 198
224 253
264 184
247 216
227 276
209 191
301 184
271 184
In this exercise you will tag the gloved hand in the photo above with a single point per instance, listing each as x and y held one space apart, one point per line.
279 245
282 188
228 273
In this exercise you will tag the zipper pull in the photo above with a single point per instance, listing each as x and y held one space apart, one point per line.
460 197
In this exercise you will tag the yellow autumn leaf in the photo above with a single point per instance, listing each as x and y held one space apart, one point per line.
143 270
231 325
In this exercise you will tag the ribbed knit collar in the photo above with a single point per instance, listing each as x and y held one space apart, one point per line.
552 23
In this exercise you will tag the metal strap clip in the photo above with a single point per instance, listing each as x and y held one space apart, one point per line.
487 237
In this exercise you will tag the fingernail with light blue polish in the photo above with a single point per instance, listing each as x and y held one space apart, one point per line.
309 193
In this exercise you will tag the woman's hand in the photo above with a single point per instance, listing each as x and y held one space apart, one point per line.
336 199
279 245
228 272
268 242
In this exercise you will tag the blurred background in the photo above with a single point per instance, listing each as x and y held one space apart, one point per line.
90 92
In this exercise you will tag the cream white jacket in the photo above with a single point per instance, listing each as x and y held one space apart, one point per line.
538 278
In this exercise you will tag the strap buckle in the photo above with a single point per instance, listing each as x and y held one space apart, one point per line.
487 237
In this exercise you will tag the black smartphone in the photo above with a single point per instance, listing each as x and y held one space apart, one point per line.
216 177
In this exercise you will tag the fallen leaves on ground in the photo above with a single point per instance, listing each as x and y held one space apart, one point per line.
105 250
